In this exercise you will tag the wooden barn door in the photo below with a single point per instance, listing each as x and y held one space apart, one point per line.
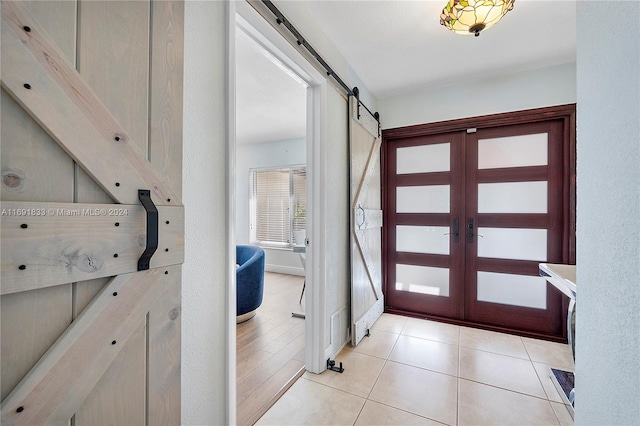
367 300
91 115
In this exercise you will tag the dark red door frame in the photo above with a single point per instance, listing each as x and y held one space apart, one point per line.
411 135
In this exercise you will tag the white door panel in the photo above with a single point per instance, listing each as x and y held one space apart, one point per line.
367 301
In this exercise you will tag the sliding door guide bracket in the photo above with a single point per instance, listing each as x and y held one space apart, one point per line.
331 365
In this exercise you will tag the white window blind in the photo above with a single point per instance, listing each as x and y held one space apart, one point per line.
278 205
299 195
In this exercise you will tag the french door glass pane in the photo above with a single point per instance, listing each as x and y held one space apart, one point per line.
510 289
423 199
422 279
422 239
423 159
513 243
513 151
512 197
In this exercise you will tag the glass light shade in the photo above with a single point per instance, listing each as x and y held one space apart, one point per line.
473 16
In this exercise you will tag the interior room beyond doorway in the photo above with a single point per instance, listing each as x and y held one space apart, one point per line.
270 212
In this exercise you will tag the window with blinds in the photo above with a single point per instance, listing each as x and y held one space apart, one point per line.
278 205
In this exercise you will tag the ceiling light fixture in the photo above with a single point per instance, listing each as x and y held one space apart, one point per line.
473 16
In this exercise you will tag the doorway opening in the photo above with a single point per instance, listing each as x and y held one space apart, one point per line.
266 148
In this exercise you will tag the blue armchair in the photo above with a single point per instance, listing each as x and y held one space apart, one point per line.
249 281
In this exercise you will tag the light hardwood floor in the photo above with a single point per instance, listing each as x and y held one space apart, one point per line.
270 348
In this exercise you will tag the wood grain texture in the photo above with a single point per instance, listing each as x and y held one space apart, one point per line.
31 322
164 355
269 347
127 373
121 45
165 153
24 174
113 58
72 113
167 53
84 292
73 242
254 407
56 387
58 19
31 161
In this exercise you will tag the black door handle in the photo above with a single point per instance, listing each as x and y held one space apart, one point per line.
470 231
455 230
144 195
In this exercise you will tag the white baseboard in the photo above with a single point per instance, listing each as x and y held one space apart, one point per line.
280 269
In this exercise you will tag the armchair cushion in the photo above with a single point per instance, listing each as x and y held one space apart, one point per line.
249 280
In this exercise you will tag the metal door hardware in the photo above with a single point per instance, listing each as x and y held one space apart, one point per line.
331 365
470 233
456 230
152 229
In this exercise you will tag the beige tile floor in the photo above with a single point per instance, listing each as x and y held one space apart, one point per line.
417 372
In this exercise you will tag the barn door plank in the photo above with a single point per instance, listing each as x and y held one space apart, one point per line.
367 300
127 374
34 168
70 111
71 242
167 52
165 153
113 59
58 384
119 74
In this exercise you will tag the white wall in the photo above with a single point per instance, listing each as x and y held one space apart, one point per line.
303 20
272 154
204 298
538 88
608 236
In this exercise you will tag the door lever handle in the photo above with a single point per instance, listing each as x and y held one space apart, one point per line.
470 233
456 230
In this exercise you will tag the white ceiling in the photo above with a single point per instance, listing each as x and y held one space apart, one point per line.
270 104
398 47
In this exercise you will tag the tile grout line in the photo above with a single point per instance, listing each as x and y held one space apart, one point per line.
383 366
505 389
387 360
